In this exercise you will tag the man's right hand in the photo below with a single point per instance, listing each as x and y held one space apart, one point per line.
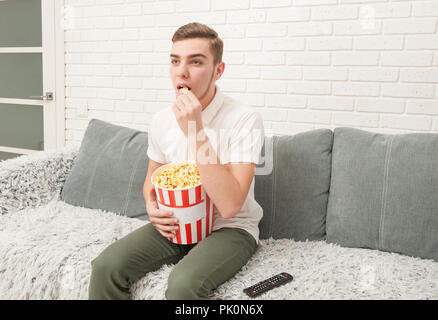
162 220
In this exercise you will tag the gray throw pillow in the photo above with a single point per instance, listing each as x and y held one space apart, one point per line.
294 195
384 192
109 170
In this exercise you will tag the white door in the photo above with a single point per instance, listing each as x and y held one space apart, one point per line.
29 118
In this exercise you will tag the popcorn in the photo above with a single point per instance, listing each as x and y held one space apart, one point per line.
178 176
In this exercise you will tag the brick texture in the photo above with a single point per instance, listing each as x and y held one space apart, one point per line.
303 64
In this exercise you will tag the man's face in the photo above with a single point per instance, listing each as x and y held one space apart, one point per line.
192 66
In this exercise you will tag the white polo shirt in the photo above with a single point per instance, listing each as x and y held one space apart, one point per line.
234 129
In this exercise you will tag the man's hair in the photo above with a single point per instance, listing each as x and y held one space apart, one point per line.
198 30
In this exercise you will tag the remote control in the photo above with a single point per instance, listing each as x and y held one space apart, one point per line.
268 284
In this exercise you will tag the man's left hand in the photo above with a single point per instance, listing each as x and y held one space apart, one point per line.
187 108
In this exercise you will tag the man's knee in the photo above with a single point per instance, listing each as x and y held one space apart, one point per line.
104 264
107 277
185 285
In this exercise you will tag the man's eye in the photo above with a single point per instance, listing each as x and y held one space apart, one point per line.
196 62
174 61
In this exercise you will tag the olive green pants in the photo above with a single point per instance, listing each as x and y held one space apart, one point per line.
199 268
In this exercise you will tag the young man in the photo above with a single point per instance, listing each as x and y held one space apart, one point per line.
227 143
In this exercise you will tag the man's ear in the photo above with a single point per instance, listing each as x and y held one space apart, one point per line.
220 68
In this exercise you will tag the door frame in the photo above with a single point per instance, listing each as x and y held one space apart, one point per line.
52 24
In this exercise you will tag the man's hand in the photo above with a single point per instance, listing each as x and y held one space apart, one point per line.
187 108
162 220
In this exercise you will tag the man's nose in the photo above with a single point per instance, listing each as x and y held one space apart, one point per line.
183 71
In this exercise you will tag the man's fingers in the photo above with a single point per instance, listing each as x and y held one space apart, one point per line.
189 99
166 234
164 213
164 221
161 213
162 217
176 109
166 231
185 100
191 96
181 104
168 228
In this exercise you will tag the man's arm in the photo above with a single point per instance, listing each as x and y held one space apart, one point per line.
227 185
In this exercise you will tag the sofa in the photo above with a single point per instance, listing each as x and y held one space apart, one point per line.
349 213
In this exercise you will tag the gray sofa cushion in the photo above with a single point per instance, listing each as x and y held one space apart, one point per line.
109 171
294 195
384 192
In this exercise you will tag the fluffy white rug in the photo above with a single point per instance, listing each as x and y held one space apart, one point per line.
46 254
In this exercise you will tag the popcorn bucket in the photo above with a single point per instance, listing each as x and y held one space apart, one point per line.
191 205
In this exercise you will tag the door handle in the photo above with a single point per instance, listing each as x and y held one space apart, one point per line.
48 96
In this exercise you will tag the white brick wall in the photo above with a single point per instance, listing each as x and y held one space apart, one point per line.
303 64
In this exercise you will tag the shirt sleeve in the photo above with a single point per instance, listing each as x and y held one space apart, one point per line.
154 152
247 138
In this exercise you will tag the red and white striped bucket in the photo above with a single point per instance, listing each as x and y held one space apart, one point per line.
193 208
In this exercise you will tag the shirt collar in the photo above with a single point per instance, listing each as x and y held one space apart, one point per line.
210 111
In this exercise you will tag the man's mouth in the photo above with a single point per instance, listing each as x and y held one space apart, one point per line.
179 87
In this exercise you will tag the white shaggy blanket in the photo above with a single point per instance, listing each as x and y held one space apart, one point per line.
46 254
46 247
